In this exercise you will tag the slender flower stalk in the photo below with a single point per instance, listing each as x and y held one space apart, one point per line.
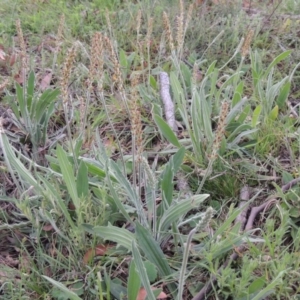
148 41
66 72
59 39
136 130
216 143
201 226
138 24
108 22
24 64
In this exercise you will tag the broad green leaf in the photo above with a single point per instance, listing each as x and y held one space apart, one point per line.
176 87
244 114
63 288
177 159
211 68
15 162
95 170
238 130
30 92
117 201
115 287
151 270
273 114
82 180
227 223
186 74
22 104
142 271
276 60
178 210
43 102
256 115
77 147
270 288
284 92
171 168
257 285
134 282
123 59
237 94
54 196
68 175
153 83
154 253
166 131
205 116
124 182
121 236
167 184
131 192
242 135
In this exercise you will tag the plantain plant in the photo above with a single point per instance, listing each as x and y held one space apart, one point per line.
33 110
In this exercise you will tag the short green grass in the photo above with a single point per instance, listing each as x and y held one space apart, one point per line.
77 190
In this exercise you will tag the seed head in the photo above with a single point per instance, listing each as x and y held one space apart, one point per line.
180 26
67 72
149 32
168 30
138 23
60 32
22 44
117 76
220 130
96 64
247 42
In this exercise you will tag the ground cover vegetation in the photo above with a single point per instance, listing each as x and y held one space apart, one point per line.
149 149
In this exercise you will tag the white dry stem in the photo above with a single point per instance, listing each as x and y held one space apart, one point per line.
169 106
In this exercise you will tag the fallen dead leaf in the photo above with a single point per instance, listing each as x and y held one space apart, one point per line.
45 82
12 59
99 250
71 206
48 227
142 295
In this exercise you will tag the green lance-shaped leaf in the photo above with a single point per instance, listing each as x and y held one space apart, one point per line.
166 131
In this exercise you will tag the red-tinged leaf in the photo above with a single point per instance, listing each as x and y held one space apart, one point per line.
142 295
162 295
45 83
48 227
99 250
19 78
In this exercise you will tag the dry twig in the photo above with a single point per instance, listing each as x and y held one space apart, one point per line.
203 293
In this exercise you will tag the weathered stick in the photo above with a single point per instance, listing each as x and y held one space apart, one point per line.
244 197
169 106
